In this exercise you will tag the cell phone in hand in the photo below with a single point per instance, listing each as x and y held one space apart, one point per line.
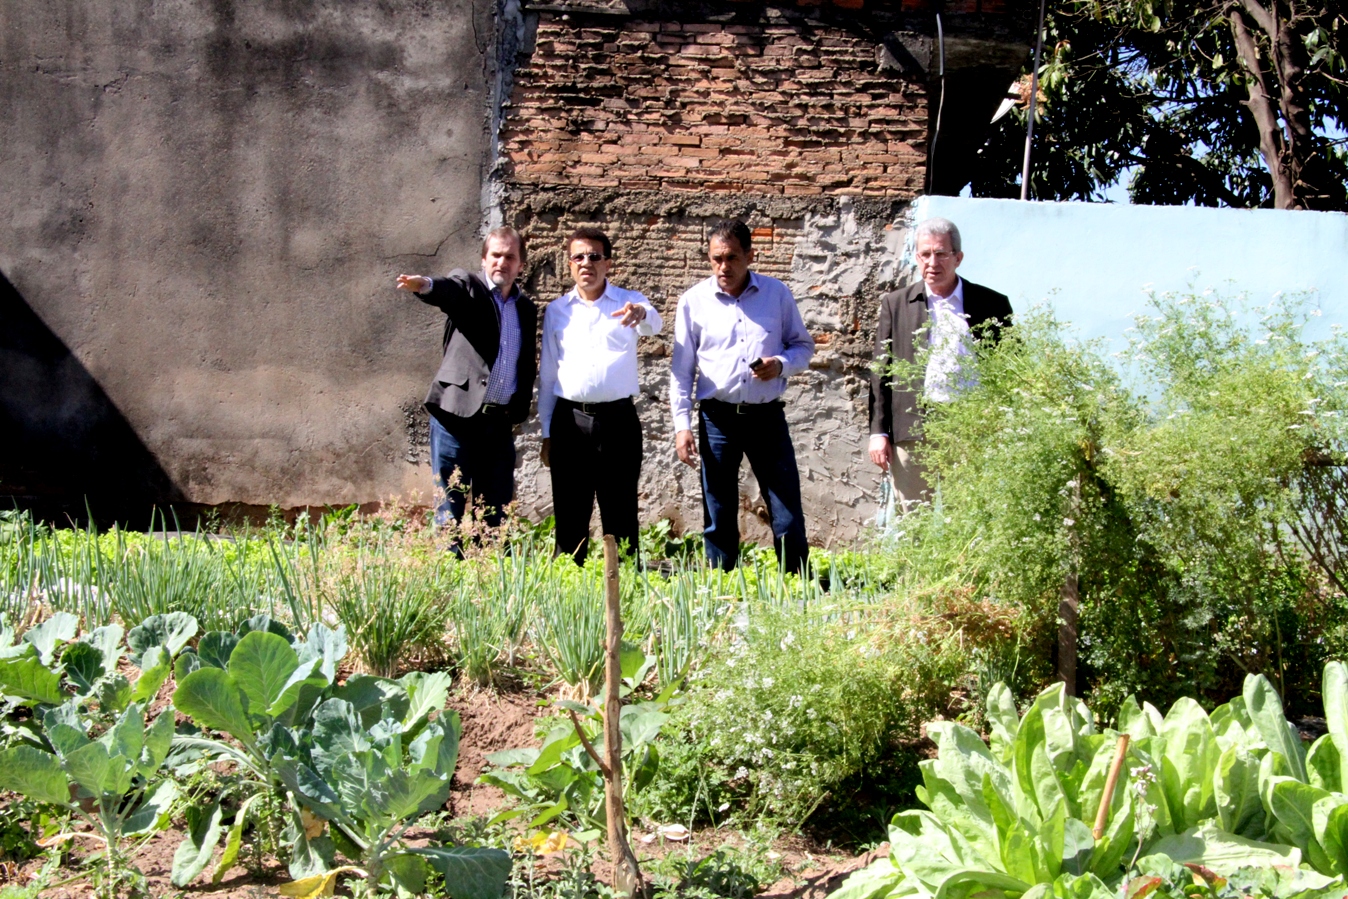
756 364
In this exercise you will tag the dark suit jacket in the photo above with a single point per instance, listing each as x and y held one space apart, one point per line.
894 408
472 340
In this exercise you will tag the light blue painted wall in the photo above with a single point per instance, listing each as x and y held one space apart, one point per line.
1092 262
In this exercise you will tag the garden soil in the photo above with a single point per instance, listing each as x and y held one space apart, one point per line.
492 721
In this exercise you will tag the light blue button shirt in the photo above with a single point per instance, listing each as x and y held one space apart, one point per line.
501 382
716 336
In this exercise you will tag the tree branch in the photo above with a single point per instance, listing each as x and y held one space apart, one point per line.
1261 106
1264 18
589 747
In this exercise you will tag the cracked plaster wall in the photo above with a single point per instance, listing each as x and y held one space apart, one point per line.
207 202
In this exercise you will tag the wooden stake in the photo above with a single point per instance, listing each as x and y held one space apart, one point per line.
1068 607
626 873
1068 601
1102 816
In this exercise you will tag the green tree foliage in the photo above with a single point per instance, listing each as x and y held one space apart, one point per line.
1209 102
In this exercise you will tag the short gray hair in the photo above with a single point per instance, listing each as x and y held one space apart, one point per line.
938 227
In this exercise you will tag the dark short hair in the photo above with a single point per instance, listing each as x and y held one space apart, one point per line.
504 231
732 229
586 232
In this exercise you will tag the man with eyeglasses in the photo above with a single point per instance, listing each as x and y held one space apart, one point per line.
485 382
587 379
959 312
740 336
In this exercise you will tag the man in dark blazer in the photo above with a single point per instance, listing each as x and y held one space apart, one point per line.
485 383
959 311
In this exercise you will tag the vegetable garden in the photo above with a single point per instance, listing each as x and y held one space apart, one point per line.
282 704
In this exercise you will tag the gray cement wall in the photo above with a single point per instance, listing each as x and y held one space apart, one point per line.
206 203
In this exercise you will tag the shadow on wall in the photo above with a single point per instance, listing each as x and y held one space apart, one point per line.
64 446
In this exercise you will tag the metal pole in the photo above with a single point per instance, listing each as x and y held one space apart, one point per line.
1034 105
940 108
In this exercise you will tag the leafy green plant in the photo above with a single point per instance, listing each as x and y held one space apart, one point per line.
111 781
260 688
369 768
800 703
561 781
1190 489
1228 791
727 873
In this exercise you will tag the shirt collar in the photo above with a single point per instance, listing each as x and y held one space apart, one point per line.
496 291
575 297
752 284
956 295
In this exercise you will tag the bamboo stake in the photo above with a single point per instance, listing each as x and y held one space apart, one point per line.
1102 816
626 873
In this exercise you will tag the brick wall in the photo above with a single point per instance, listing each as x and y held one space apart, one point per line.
746 109
654 131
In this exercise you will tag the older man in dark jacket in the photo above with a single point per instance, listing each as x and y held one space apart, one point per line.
959 311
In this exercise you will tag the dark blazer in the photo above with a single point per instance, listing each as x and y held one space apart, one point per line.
894 409
471 341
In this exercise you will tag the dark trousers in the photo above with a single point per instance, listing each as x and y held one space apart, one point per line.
595 453
728 433
481 450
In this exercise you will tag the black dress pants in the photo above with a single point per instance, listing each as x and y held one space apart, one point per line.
596 453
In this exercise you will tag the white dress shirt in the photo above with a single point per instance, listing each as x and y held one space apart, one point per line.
716 336
948 337
588 355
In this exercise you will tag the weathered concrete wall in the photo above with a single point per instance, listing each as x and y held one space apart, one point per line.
206 203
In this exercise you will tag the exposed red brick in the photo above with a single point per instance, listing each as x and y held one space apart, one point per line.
747 108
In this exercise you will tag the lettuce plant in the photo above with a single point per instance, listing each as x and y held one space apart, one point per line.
1229 794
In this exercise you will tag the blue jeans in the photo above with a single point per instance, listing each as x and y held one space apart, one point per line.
726 436
482 450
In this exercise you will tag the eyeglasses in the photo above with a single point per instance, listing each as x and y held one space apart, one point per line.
581 258
937 255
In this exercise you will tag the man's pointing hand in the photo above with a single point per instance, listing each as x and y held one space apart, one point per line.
632 314
414 283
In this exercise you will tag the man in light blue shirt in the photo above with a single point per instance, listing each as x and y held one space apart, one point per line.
737 337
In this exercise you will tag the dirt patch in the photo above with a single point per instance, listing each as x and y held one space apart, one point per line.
817 880
491 722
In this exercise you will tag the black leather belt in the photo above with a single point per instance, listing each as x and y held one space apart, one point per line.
596 408
739 408
495 409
